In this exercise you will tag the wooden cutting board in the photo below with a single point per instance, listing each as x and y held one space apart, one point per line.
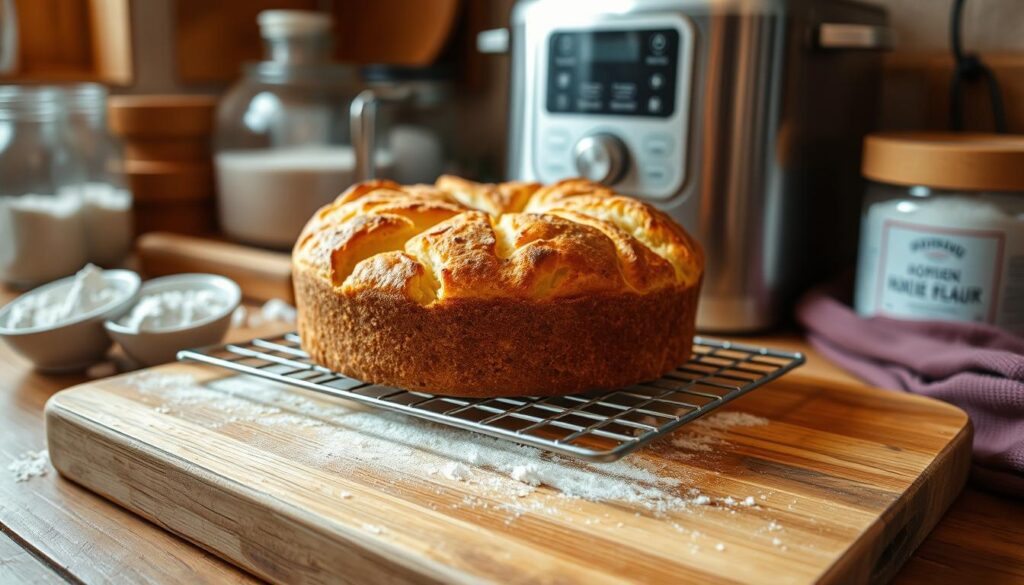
822 482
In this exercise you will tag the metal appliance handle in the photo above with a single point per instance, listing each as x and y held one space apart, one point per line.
836 36
363 120
494 41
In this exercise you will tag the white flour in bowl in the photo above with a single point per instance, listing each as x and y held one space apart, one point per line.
86 293
173 308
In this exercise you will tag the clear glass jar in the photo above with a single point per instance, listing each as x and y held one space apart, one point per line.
106 202
283 145
413 135
950 247
41 230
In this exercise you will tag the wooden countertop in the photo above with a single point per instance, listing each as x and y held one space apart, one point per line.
52 530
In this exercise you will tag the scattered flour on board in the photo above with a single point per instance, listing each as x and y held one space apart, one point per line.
272 311
728 420
349 435
30 464
527 474
455 470
696 436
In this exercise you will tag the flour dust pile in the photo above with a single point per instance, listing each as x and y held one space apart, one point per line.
514 478
30 464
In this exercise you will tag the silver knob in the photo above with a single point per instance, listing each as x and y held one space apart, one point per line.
602 158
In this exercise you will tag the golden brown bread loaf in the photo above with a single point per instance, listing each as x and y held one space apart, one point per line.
472 289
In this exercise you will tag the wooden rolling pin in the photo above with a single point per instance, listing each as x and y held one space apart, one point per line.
262 274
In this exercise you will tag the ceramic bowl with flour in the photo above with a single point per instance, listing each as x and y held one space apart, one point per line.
59 326
174 313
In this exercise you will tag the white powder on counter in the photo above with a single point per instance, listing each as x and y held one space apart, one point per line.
527 474
272 311
30 464
240 317
695 437
695 442
174 308
455 470
278 310
403 444
86 293
502 476
728 420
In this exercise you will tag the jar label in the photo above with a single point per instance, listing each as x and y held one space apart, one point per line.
941 273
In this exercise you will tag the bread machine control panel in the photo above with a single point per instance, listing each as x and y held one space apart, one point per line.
613 72
614 103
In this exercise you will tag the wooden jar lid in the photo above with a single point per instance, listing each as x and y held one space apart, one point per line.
973 162
161 116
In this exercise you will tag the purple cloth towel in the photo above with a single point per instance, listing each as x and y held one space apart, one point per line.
979 368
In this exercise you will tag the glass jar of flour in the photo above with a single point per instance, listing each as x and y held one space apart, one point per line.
942 232
106 204
283 143
42 235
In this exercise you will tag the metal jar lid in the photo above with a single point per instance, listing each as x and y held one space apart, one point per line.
973 162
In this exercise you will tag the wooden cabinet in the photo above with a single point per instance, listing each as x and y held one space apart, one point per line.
73 40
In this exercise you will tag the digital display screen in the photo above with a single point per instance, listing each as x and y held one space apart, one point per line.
611 47
613 72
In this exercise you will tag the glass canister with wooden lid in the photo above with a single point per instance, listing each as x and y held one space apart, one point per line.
942 230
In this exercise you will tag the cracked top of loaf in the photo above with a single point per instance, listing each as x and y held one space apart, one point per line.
458 239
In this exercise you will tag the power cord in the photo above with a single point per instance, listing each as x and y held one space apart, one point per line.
969 68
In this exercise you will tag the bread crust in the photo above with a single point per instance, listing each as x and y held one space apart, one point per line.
479 290
496 347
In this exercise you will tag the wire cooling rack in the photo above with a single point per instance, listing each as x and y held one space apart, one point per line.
597 426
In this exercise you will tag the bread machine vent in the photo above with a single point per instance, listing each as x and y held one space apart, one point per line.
597 426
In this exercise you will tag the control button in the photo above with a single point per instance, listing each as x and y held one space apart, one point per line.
556 140
657 81
602 158
563 80
658 145
591 90
555 171
628 107
656 175
562 101
654 104
623 91
658 42
565 44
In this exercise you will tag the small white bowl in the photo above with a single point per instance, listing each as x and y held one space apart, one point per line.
75 344
150 347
